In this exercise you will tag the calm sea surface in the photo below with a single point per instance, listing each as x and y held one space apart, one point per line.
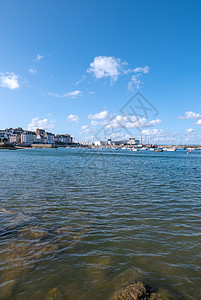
78 224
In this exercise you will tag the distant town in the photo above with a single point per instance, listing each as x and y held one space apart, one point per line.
17 138
41 138
20 137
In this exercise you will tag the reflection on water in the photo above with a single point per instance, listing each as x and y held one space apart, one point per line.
80 224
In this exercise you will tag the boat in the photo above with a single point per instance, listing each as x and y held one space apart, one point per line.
171 149
135 149
158 150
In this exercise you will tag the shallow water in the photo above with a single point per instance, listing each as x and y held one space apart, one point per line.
78 224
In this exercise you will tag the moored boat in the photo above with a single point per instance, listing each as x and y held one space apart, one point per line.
171 149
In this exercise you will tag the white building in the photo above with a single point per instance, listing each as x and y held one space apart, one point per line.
100 143
28 137
15 138
41 139
133 141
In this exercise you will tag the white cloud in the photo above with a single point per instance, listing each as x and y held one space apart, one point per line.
190 115
158 136
109 66
94 123
105 66
42 124
130 122
99 116
72 94
136 79
9 80
73 118
32 71
38 57
189 130
144 70
198 122
152 132
85 129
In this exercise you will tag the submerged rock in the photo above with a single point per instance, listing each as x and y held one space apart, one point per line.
141 291
126 277
33 233
134 291
162 294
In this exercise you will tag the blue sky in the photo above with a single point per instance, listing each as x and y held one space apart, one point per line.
70 66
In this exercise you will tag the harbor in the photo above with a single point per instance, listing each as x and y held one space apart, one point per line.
82 223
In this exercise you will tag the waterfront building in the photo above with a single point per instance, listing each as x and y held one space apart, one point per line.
100 143
41 139
63 139
15 138
119 143
3 136
40 132
87 143
69 139
50 137
133 141
28 137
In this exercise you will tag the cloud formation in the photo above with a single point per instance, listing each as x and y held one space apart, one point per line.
143 70
85 129
189 115
42 124
73 118
112 67
72 94
152 132
9 80
99 116
105 66
189 130
131 122
136 79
